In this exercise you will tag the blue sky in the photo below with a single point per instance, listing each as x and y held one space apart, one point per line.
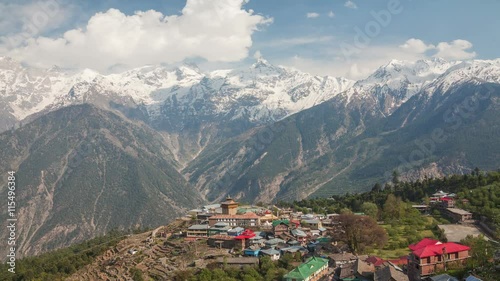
318 36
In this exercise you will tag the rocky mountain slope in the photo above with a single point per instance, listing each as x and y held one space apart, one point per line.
351 141
82 171
155 140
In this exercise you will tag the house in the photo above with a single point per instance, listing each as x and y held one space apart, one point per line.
312 270
440 194
238 262
345 272
447 202
268 218
429 256
342 258
252 251
401 262
299 235
273 242
197 231
363 270
295 249
314 224
245 220
223 242
274 254
376 261
389 272
459 215
220 228
280 227
235 231
421 208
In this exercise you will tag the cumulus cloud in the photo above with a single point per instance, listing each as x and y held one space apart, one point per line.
331 14
350 4
218 30
365 61
312 15
455 50
416 45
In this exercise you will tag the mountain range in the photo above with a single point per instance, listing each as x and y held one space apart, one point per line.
95 152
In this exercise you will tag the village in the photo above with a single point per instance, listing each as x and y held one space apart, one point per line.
249 232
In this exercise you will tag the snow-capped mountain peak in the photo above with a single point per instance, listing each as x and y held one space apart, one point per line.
261 93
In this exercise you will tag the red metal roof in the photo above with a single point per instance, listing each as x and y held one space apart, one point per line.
423 243
247 234
376 261
437 250
401 261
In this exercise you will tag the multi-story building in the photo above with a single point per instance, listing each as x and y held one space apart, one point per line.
229 207
245 220
459 215
197 231
430 256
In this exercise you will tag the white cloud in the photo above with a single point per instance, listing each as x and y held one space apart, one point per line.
365 61
21 20
297 41
416 45
312 15
455 50
350 4
218 30
331 14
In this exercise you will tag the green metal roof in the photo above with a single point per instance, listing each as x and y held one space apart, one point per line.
276 222
306 269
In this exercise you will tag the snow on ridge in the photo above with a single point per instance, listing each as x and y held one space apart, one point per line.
262 91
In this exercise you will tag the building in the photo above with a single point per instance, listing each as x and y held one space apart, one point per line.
447 202
312 270
252 251
388 272
363 270
235 231
314 224
219 228
299 235
342 258
272 253
429 256
459 215
421 208
229 207
224 242
376 261
280 227
197 231
245 220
